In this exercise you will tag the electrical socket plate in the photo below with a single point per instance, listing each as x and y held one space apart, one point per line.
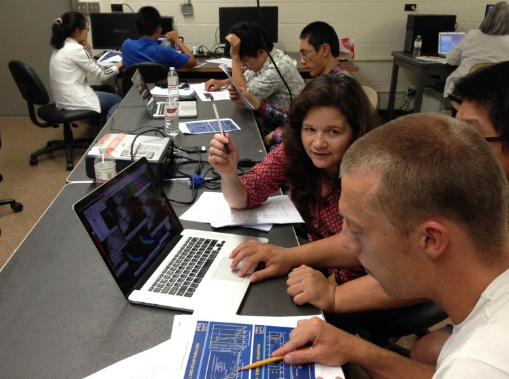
79 7
410 7
93 7
186 9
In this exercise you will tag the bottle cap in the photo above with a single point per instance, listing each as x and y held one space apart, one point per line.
103 149
172 68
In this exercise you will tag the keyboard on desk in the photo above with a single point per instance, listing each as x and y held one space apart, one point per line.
186 270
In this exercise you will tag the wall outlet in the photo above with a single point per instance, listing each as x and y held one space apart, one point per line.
117 7
93 8
79 7
410 7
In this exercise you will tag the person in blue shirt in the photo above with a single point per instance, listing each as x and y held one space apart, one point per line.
147 47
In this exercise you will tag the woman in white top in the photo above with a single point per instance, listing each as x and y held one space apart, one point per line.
69 64
489 43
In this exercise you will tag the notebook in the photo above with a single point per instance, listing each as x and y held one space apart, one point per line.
447 40
156 109
142 242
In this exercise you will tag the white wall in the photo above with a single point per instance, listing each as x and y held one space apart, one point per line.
376 27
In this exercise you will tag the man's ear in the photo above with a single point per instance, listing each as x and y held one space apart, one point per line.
433 238
325 49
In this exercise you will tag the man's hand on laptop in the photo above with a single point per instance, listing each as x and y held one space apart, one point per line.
278 261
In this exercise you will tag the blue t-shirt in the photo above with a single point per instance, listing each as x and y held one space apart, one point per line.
148 50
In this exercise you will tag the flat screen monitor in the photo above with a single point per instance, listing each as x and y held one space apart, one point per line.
167 24
488 8
229 16
110 30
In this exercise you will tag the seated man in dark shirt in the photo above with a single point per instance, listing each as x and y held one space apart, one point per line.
147 48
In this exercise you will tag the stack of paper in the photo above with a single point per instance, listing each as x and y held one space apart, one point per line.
212 208
217 347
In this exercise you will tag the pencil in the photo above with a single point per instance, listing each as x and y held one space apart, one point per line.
261 363
266 361
219 123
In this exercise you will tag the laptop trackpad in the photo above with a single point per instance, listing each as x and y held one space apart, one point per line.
224 272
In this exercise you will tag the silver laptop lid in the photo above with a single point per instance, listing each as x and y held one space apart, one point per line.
144 91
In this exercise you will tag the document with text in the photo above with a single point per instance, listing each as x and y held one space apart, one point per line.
212 208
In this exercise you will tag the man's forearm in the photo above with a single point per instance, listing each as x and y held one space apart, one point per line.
326 253
366 294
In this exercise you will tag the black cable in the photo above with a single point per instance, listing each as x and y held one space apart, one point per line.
268 52
127 5
139 134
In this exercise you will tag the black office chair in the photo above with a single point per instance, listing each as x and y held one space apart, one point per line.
150 71
33 91
15 206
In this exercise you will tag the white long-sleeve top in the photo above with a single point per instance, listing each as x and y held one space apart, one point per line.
68 77
476 47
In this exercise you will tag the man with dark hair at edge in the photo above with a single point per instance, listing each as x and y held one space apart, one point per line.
147 49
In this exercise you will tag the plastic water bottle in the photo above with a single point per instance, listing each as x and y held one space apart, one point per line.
171 106
417 46
105 166
173 84
171 117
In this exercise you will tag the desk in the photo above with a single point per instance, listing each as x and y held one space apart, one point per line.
62 315
212 71
132 114
423 70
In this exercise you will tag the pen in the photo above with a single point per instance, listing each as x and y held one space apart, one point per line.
266 361
209 96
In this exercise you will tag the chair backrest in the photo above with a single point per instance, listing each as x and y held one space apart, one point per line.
477 66
30 85
373 97
151 72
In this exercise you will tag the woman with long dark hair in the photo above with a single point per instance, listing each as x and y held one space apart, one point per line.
70 62
331 112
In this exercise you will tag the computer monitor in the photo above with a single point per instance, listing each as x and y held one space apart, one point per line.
167 24
488 8
229 16
110 30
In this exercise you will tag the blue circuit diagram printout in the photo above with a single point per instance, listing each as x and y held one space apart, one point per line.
220 349
211 126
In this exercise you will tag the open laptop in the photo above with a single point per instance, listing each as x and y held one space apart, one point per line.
447 40
148 252
156 109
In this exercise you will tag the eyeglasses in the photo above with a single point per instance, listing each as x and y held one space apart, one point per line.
303 53
243 62
86 28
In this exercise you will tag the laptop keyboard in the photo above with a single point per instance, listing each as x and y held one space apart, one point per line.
186 270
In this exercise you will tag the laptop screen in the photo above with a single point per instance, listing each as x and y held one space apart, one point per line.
130 221
446 41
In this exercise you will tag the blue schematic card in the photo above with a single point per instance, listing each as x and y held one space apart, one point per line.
209 126
219 350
